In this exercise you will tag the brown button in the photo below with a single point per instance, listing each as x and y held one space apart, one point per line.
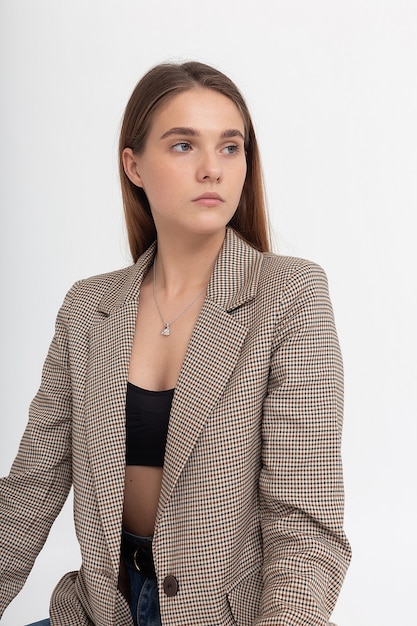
170 586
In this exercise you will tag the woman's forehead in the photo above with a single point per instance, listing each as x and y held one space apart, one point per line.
198 108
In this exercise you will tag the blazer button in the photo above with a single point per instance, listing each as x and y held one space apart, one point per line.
170 586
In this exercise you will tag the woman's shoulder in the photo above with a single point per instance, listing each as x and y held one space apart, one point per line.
287 279
113 288
288 283
283 268
87 294
100 282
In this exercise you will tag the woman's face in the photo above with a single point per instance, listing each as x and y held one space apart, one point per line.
193 166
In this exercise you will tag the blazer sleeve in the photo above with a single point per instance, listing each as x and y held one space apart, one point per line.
306 553
40 478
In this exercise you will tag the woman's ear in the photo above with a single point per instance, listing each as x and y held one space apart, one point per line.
130 166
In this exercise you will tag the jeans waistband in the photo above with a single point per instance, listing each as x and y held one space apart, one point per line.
137 551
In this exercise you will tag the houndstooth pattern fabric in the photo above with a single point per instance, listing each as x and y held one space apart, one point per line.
251 508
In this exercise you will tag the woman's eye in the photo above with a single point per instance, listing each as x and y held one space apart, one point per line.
182 146
230 149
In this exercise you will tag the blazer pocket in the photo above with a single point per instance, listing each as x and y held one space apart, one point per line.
245 596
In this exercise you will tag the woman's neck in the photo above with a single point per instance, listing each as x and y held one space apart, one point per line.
183 265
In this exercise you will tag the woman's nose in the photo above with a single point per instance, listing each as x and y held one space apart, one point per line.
209 168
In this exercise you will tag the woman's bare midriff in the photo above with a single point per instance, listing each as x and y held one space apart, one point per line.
142 489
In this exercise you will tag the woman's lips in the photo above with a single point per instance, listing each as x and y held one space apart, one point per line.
209 199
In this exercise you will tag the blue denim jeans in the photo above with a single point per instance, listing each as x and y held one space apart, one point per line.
144 598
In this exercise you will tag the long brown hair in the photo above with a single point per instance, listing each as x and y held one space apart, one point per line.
157 86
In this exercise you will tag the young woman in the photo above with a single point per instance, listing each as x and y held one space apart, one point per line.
193 400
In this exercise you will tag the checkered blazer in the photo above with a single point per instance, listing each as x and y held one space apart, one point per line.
251 508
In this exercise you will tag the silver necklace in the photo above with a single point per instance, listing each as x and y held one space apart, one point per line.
166 331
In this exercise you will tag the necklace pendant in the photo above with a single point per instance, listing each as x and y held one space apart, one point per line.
166 331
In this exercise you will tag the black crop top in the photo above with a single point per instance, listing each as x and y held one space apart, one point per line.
147 417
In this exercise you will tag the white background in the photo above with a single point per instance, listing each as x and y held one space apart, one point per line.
332 86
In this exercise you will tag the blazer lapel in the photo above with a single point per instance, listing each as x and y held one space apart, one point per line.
211 356
107 372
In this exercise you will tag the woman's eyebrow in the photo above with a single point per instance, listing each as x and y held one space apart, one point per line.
191 132
232 132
